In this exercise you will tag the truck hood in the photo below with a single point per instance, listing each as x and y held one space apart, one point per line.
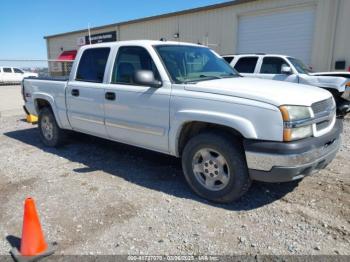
331 82
273 92
332 73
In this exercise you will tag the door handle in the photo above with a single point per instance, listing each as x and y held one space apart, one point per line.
75 92
110 96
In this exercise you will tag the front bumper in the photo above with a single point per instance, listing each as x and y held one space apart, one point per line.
281 162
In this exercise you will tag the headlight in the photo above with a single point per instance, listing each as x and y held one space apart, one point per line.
292 117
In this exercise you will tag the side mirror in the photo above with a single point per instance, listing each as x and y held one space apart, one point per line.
287 70
146 78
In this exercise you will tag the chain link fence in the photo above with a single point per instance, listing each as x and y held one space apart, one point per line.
13 71
59 68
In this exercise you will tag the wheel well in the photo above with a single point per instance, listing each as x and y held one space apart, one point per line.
336 94
191 129
41 103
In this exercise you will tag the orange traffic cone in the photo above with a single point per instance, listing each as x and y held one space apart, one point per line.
33 245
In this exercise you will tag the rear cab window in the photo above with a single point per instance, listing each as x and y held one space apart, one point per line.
7 70
246 64
92 65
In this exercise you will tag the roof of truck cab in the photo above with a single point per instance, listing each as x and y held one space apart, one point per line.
259 54
139 42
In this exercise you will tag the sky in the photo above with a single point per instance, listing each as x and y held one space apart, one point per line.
24 23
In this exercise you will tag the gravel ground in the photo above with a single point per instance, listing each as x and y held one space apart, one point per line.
11 100
99 197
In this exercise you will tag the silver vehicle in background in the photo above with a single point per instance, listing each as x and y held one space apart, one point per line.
290 69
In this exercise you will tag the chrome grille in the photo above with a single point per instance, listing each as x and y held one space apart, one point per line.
324 112
322 106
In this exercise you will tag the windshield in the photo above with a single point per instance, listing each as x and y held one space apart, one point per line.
299 66
193 64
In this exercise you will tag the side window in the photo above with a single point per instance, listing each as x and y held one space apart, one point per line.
16 70
228 59
272 65
129 59
92 65
7 70
246 64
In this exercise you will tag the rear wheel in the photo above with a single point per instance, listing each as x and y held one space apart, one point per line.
215 167
50 133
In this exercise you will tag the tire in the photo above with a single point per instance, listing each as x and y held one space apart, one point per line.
228 168
50 133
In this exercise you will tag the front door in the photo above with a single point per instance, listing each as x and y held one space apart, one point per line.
271 69
18 74
135 114
85 94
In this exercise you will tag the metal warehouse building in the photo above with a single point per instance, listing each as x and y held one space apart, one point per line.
316 31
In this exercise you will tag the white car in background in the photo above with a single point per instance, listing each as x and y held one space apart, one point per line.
290 69
13 74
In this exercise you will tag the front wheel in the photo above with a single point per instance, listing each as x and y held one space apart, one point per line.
50 133
215 167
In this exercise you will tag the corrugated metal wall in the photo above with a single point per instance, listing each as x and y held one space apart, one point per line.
69 42
218 28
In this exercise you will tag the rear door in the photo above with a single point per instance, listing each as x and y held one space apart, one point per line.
85 93
135 114
270 68
246 65
7 74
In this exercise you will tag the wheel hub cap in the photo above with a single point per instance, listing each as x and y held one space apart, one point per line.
47 128
211 169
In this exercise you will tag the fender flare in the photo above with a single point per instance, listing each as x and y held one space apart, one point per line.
50 100
239 124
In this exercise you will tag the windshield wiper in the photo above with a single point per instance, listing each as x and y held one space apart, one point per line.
202 78
229 76
207 77
210 77
189 82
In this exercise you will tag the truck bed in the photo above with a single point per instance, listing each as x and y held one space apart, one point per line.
50 78
52 90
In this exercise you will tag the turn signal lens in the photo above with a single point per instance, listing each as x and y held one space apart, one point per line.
287 134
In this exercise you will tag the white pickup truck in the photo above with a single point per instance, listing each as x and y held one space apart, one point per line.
290 69
186 101
13 75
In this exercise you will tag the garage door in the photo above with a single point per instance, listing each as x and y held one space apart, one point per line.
289 32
